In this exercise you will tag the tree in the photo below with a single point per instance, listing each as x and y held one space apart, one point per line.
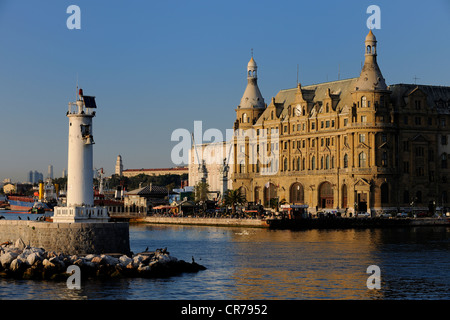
234 198
201 190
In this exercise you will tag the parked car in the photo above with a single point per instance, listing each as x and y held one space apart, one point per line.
385 215
363 215
422 214
402 215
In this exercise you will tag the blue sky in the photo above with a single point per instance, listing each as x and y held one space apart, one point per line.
155 66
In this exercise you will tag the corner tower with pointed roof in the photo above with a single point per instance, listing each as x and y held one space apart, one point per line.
252 102
370 77
370 94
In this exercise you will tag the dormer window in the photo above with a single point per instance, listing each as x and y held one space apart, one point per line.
417 104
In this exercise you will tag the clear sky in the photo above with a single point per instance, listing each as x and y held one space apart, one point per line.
155 66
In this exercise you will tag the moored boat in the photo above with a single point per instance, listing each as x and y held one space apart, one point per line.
25 203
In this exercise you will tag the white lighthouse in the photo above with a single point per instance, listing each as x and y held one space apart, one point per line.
80 189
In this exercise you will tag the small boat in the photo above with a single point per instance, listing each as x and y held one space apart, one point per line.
37 210
38 207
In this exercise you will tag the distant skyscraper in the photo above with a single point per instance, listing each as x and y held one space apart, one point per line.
30 177
119 165
36 177
64 173
50 172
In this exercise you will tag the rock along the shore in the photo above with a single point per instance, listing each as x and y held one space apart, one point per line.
20 261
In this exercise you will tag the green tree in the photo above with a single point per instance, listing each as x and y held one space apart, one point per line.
234 198
201 190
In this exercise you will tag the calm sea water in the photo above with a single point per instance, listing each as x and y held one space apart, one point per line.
246 263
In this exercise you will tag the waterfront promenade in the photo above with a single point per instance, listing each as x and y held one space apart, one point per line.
332 223
201 221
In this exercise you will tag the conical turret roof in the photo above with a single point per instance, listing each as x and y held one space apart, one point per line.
371 77
252 97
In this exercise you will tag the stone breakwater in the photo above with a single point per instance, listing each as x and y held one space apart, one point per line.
20 261
70 238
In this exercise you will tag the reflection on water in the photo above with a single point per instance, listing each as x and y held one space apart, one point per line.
265 264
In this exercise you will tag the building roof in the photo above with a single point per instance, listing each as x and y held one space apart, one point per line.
316 93
252 97
438 97
160 169
252 63
148 190
370 36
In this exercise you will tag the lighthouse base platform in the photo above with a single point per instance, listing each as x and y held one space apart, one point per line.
80 214
69 238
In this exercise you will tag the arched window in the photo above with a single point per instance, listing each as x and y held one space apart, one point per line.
345 160
406 197
362 160
363 102
313 163
285 164
321 162
368 49
418 198
384 189
444 161
298 164
444 197
344 196
327 162
296 193
325 195
244 118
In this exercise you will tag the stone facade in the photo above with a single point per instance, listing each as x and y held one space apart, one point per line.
69 238
354 144
213 157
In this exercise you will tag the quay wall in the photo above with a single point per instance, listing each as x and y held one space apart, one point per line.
315 223
69 238
218 222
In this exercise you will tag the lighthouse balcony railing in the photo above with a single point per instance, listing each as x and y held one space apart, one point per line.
82 212
75 109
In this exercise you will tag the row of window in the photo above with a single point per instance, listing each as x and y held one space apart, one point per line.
418 121
326 162
420 168
417 198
